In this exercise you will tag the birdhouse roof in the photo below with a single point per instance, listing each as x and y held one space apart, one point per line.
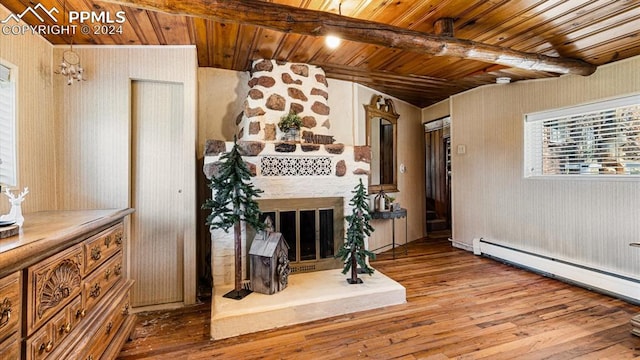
266 243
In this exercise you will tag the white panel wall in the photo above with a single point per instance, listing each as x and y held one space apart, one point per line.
94 133
590 222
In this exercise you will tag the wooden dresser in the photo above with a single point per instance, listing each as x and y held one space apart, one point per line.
64 293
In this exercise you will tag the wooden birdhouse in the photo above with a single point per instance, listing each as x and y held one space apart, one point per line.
269 262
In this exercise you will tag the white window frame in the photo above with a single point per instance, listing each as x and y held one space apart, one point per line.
8 125
594 140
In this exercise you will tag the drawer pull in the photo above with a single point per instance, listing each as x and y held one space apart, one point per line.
5 312
96 253
125 309
119 238
109 327
118 269
80 313
95 291
65 328
107 241
107 274
46 347
90 357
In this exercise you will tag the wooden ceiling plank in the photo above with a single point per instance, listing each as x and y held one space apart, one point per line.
143 26
286 46
224 36
614 49
552 36
316 23
242 47
555 29
173 28
507 25
494 22
621 25
606 55
202 42
128 34
157 27
269 40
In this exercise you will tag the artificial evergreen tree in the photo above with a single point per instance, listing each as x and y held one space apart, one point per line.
353 252
232 202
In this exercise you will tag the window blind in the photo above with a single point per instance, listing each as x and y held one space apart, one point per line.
595 139
8 164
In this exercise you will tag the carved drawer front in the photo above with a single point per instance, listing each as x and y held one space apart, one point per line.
66 322
102 246
10 305
43 342
76 312
101 280
10 348
102 338
51 284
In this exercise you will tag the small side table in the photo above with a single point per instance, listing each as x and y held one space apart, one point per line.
393 215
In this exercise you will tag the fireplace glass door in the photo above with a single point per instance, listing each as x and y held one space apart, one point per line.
313 229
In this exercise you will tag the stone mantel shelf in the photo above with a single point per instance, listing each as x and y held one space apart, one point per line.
45 233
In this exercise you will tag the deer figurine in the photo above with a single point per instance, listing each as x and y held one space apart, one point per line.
15 214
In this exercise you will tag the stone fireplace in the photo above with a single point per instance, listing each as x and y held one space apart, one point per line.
307 184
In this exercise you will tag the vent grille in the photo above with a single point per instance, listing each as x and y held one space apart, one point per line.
302 268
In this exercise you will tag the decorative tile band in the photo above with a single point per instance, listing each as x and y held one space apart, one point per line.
295 166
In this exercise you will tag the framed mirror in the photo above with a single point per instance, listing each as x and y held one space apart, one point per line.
382 138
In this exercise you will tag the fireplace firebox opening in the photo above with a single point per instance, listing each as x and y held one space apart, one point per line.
312 227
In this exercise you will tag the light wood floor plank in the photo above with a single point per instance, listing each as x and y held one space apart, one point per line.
459 306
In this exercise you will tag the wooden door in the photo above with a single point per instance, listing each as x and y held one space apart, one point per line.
438 179
157 232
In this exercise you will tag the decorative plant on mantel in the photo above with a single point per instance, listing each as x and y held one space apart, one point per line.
290 124
290 121
353 252
232 203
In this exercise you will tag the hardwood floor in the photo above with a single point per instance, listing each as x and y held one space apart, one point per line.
459 306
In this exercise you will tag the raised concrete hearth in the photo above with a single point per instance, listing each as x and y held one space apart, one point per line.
309 296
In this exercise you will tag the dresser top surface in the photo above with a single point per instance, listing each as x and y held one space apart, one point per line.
47 232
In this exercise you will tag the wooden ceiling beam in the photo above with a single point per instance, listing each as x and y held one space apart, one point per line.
291 19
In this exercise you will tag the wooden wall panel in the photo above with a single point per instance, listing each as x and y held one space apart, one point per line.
590 222
36 123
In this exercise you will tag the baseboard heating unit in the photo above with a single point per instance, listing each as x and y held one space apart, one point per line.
609 283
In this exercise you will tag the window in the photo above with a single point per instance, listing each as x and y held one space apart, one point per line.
601 139
8 163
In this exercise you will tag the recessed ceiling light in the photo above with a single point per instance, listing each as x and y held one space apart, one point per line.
503 80
332 41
